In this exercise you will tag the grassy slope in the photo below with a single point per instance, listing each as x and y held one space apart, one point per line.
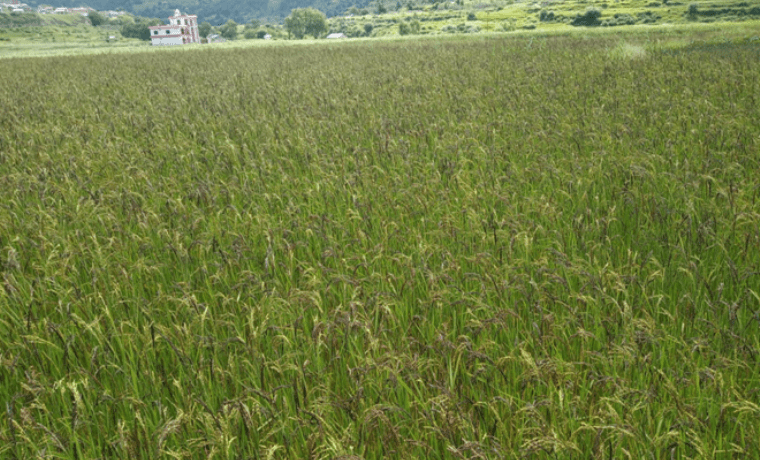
513 246
53 34
34 19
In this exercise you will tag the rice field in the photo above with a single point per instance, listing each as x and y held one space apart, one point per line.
526 246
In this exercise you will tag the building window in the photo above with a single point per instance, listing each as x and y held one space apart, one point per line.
168 32
155 32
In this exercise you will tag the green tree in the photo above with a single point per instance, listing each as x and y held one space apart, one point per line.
139 29
306 21
253 24
204 29
229 30
368 29
96 18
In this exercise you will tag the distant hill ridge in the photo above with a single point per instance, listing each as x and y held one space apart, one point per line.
214 11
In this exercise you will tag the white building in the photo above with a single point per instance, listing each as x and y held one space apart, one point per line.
83 10
15 6
182 29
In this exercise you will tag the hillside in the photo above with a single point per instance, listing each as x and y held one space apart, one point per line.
215 11
40 20
498 15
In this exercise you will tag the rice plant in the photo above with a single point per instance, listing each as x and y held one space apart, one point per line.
498 247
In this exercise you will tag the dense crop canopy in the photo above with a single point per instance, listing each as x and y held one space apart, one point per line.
526 247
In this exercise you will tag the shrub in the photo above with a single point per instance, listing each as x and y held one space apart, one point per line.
620 20
506 26
546 16
471 17
467 29
648 17
589 19
409 28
